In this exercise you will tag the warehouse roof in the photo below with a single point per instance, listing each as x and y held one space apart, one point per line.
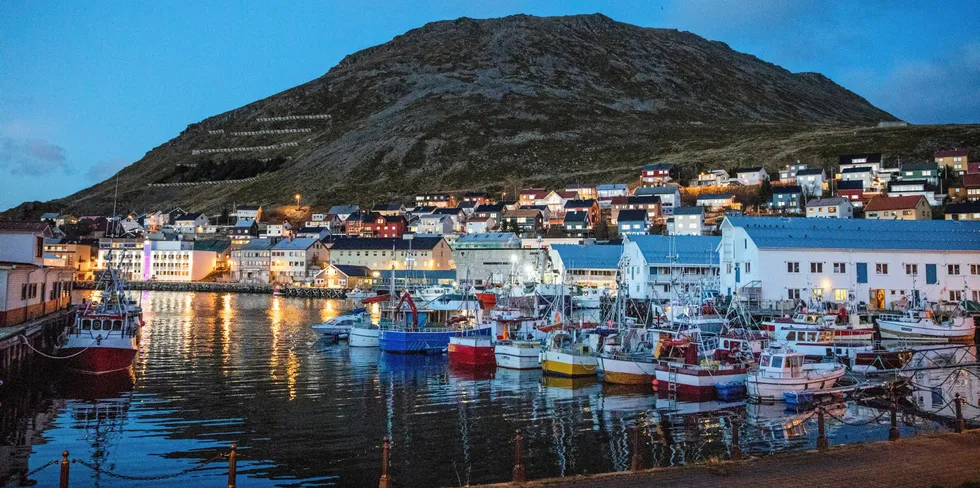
871 234
588 256
656 249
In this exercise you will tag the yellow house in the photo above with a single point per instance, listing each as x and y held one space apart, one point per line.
912 207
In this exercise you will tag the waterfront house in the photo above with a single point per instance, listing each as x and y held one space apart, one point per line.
788 173
898 208
421 253
830 208
811 181
963 211
632 222
28 288
657 263
751 176
588 265
344 277
776 262
496 258
670 196
252 262
191 223
656 174
79 255
590 207
439 200
433 224
649 204
607 192
872 161
584 192
687 221
852 190
292 260
954 160
787 199
251 212
480 225
531 196
576 223
921 171
523 221
716 201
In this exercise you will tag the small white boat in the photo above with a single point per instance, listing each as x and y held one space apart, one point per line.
432 293
782 369
359 294
518 354
366 335
588 298
341 325
917 325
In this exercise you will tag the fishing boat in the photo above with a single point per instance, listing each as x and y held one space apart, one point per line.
472 349
782 369
518 354
105 334
845 327
364 335
431 293
924 326
682 370
628 359
341 326
566 356
423 331
588 298
358 294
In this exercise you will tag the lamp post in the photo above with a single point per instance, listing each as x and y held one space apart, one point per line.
297 200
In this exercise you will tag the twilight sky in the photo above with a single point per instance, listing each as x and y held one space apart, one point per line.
89 87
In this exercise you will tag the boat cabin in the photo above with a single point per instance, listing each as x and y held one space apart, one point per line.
777 362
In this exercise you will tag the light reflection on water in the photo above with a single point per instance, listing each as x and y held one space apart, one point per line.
218 368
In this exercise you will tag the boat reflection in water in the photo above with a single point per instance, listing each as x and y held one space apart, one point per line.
937 374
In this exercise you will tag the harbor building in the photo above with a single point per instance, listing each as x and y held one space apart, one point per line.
780 261
586 265
663 267
28 288
377 253
497 258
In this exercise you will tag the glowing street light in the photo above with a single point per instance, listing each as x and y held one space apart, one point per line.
297 200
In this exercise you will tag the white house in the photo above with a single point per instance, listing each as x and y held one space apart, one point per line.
716 201
191 223
864 174
687 221
586 265
715 177
28 288
670 196
663 267
480 225
909 188
252 262
867 160
830 208
779 261
292 259
788 174
811 182
607 192
751 176
284 229
250 212
157 260
433 224
344 211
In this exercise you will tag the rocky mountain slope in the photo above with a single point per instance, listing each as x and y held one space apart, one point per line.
494 104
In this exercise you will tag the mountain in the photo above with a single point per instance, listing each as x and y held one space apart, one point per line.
493 104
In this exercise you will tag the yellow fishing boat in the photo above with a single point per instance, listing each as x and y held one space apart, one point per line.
567 358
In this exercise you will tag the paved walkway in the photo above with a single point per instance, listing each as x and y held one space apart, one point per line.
943 460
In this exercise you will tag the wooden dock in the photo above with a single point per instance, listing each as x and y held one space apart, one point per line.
214 287
16 357
941 460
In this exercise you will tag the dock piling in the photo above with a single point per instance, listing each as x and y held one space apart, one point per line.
893 434
637 462
518 455
958 401
821 433
65 467
736 444
385 481
232 466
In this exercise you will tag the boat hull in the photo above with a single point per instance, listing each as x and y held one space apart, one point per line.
627 371
567 365
99 360
772 389
417 342
912 331
471 351
697 384
521 356
363 337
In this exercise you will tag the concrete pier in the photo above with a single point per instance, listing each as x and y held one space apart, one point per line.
941 460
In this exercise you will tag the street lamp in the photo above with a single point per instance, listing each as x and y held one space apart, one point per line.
297 200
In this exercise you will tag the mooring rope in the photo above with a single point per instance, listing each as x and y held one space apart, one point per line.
41 353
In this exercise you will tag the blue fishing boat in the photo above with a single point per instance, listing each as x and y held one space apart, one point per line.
415 331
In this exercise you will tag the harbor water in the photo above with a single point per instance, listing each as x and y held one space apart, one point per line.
216 369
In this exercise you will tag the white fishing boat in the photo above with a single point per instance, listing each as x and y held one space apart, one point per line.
340 326
365 335
432 293
924 326
359 294
781 370
588 298
518 354
851 329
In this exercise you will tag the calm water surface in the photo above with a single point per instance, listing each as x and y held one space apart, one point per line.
221 368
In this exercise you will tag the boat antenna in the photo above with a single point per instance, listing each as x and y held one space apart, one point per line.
115 195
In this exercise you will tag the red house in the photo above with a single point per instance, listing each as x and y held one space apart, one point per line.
389 226
853 191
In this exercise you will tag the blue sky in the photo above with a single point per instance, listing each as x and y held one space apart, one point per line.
88 87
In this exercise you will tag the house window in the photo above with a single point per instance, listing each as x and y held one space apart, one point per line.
881 268
816 267
953 269
792 267
748 267
817 293
840 294
793 293
912 269
955 295
975 269
840 268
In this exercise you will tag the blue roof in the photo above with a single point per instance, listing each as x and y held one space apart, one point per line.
588 256
258 245
298 244
417 274
901 235
612 186
688 249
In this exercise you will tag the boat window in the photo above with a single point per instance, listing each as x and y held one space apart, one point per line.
791 336
96 325
777 362
765 361
86 324
724 344
117 325
794 361
811 336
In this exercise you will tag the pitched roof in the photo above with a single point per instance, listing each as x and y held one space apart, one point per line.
447 211
632 216
391 206
850 185
687 249
579 203
523 212
214 245
658 167
786 189
827 202
815 233
249 207
297 244
343 209
947 153
352 271
13 226
688 210
258 245
535 193
50 216
383 243
612 186
754 169
893 203
971 180
922 166
576 216
245 222
715 196
857 169
656 190
187 217
488 237
588 256
962 208
810 171
870 157
493 207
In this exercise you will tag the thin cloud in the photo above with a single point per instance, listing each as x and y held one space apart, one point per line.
103 170
34 157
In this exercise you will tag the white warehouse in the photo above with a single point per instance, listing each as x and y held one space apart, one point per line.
876 262
656 265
